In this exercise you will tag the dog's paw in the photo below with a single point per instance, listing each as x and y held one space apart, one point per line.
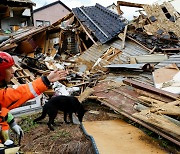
51 128
35 122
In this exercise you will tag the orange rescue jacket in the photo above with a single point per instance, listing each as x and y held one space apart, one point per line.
3 123
12 98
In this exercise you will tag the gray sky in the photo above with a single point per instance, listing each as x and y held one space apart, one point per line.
128 11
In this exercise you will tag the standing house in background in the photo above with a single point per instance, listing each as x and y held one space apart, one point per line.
15 14
113 8
50 13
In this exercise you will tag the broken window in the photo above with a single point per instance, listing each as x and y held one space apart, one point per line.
39 23
167 14
46 23
42 23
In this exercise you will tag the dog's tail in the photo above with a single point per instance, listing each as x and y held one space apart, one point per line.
43 115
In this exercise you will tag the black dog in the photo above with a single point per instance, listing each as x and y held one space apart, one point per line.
67 104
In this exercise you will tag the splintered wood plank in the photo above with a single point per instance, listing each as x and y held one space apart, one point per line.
21 74
117 136
151 89
14 81
87 92
151 101
124 37
152 95
30 74
168 109
159 121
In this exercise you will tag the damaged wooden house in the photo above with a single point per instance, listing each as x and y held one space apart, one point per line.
117 60
15 14
132 62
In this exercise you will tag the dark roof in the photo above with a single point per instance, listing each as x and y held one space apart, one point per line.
23 1
51 4
10 2
104 23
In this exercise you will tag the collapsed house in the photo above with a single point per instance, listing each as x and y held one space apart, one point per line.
15 14
121 64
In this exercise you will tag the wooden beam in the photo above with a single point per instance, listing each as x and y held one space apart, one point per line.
84 45
88 33
78 41
8 47
62 19
139 44
151 101
60 39
122 3
124 37
159 121
149 88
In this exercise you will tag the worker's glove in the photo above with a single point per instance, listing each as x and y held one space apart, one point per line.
14 126
9 143
17 129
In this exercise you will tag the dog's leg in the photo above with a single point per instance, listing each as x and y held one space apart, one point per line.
52 116
65 118
70 117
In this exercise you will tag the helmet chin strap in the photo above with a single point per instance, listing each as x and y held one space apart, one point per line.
3 84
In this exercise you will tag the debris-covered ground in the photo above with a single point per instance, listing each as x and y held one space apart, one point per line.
70 138
67 138
142 54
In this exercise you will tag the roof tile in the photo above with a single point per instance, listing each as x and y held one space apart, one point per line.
104 23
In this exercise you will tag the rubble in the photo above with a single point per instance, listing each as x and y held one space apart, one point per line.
90 47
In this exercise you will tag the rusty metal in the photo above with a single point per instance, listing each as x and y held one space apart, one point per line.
150 88
148 126
122 99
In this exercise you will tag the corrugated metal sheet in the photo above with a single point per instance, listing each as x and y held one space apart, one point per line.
104 23
122 99
172 59
131 49
118 97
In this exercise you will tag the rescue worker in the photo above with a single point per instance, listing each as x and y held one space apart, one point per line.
12 98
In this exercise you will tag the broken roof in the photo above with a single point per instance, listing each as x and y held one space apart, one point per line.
94 52
22 1
104 23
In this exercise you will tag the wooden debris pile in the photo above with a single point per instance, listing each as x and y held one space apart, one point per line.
134 53
158 30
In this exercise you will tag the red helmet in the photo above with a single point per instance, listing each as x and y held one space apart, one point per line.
6 61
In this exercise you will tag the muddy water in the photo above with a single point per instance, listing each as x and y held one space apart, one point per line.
119 137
